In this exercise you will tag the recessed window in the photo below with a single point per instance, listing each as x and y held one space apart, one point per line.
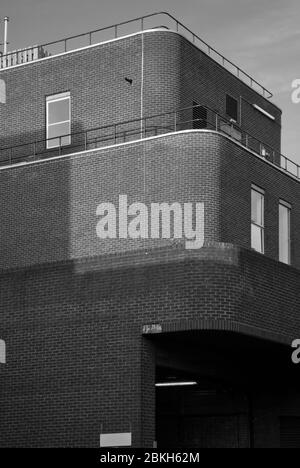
199 116
257 219
58 120
284 232
231 107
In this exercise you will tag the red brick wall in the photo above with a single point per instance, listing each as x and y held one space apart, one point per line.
48 209
206 82
76 360
176 73
239 170
95 78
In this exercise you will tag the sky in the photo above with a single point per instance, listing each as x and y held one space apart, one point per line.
261 36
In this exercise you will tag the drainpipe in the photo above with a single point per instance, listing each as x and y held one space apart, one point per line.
6 20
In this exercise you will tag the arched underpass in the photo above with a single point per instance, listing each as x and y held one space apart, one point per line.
220 389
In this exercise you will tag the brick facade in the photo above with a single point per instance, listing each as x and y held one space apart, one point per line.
52 216
75 309
74 352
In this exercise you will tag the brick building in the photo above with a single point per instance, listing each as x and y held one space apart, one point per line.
93 327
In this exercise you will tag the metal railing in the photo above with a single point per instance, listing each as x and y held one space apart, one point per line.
193 117
142 23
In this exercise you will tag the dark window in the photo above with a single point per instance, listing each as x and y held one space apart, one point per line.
199 116
231 107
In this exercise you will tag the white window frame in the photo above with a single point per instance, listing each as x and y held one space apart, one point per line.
260 191
288 206
56 98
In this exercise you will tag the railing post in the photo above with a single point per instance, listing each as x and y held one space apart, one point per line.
65 45
115 135
90 38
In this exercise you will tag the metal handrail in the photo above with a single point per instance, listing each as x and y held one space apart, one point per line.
5 60
153 125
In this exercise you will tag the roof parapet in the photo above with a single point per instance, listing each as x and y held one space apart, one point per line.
151 21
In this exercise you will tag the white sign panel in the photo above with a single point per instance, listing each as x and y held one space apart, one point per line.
119 439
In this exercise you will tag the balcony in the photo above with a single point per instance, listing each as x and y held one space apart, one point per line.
190 118
143 23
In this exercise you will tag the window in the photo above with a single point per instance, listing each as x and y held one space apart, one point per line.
231 107
199 116
58 120
2 352
2 92
284 232
257 219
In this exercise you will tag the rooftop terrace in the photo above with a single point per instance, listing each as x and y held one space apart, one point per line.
143 23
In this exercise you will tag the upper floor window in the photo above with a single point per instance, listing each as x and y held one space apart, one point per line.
231 107
284 232
58 120
257 219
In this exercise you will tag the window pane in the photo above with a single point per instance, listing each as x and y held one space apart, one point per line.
257 238
257 208
284 234
56 131
231 107
58 111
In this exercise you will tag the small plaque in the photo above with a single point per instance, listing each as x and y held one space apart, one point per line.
153 328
